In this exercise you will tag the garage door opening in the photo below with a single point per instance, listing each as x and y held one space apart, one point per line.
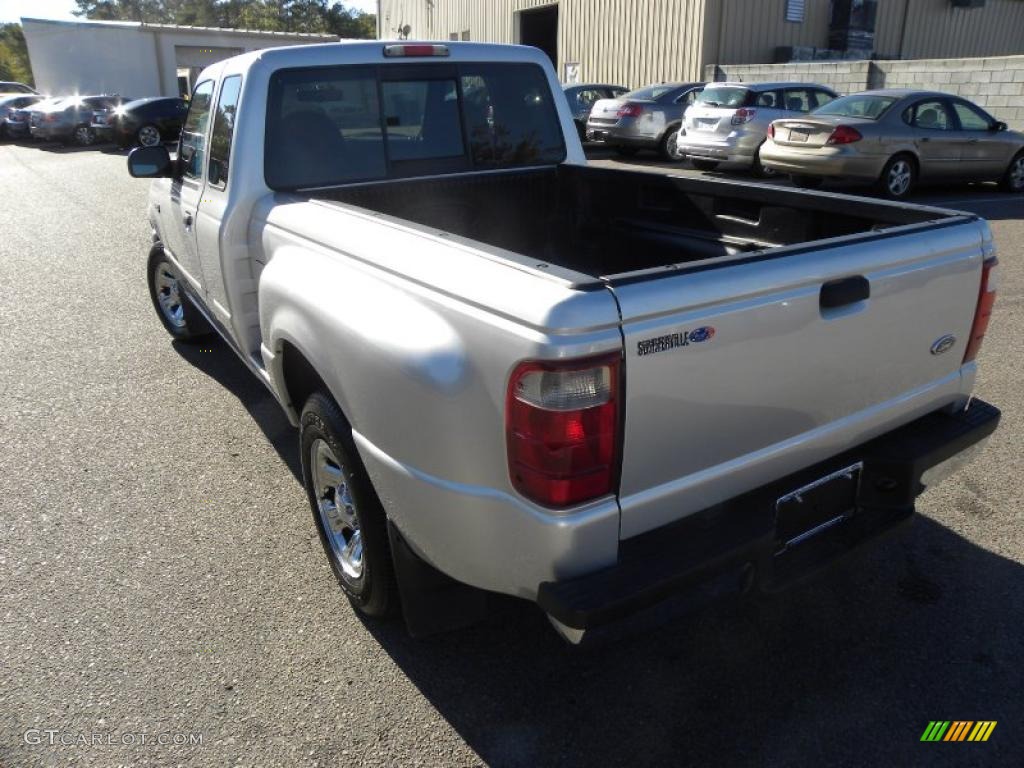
539 28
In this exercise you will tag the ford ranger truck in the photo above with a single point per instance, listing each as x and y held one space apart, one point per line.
513 372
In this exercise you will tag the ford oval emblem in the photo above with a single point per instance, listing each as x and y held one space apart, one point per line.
703 333
943 344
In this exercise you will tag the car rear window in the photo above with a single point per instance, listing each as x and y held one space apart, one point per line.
723 96
858 105
336 125
650 93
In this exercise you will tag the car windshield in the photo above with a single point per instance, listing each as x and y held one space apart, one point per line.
722 96
650 93
859 105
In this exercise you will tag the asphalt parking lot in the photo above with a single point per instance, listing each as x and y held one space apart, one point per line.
160 572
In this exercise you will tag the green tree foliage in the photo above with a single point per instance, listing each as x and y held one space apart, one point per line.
321 16
14 63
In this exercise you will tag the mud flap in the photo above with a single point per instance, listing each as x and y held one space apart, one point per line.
432 602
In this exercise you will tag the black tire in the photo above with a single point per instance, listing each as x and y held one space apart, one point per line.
759 170
143 136
83 135
667 146
626 151
898 165
703 165
184 325
807 182
374 593
1013 179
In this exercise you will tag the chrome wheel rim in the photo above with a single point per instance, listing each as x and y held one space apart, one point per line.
83 135
337 509
1017 174
898 181
168 295
673 146
149 136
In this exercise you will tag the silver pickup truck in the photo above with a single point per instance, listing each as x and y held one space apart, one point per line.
516 373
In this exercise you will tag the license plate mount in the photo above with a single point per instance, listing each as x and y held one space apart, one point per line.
798 135
812 509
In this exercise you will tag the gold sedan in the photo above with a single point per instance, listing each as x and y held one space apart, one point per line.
895 139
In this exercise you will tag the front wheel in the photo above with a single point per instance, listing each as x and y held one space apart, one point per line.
897 178
182 320
1013 179
670 146
348 515
84 136
704 165
148 136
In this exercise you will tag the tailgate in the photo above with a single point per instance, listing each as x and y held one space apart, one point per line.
738 374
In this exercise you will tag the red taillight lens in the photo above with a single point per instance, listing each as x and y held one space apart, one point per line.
630 110
562 429
402 51
983 311
844 134
771 130
743 115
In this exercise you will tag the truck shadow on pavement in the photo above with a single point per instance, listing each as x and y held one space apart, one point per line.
213 357
847 669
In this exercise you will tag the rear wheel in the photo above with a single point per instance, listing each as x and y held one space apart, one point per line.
182 320
670 145
807 182
704 165
148 136
347 513
898 177
1013 179
83 135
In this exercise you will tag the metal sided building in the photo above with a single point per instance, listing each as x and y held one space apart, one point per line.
135 58
634 42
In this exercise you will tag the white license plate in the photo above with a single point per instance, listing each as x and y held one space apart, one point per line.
798 135
708 124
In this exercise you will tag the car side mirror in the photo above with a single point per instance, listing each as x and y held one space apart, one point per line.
999 125
150 163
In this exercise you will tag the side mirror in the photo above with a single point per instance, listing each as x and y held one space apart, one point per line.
999 125
150 163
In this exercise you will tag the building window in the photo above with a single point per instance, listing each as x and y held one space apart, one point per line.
795 10
453 36
465 34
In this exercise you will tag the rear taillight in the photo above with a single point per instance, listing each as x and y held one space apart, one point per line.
844 134
743 115
50 119
771 130
630 110
983 310
562 429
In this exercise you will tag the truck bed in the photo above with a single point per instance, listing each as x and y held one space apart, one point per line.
609 223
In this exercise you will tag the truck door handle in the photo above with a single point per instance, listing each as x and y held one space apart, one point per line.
187 220
846 290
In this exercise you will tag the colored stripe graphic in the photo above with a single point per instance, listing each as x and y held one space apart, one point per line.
958 730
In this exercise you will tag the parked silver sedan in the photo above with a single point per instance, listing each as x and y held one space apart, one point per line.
729 122
896 138
647 118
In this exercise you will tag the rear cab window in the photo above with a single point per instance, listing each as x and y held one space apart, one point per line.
868 106
343 124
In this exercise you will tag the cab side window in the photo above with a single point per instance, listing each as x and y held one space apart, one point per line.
193 133
688 98
971 118
223 130
768 99
585 99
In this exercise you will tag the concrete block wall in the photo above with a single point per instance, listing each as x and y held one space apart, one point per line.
996 83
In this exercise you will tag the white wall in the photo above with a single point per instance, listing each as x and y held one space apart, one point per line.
78 58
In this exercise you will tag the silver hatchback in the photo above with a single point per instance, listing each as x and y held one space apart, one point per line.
729 122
